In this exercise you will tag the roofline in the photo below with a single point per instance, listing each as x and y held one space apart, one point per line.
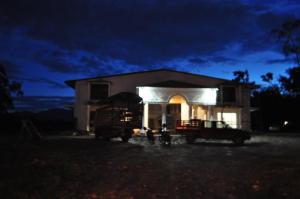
71 83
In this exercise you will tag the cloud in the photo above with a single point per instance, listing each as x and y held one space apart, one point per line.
107 37
279 61
222 59
198 61
10 67
50 82
140 33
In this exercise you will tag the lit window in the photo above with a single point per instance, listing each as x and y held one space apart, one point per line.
228 118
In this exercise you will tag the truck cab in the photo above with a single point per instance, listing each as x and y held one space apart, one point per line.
205 129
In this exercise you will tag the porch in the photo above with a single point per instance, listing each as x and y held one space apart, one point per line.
168 105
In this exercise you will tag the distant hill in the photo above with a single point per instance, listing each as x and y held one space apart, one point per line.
41 103
55 115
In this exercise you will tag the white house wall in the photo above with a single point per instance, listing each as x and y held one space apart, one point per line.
81 112
129 83
204 96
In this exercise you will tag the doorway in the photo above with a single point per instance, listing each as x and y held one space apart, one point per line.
177 109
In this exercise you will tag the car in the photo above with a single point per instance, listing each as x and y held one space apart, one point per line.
206 129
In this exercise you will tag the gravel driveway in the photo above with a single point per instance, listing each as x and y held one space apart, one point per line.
267 166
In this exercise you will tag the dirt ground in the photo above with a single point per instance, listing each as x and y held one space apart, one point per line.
267 166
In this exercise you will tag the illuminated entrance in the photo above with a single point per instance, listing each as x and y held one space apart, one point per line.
177 109
166 105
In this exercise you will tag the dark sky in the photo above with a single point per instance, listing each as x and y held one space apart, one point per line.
44 42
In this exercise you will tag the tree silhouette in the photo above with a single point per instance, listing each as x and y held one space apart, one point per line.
291 83
6 89
241 76
268 77
289 36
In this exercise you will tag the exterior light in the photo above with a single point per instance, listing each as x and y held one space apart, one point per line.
203 96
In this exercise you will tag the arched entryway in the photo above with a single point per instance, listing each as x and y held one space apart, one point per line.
177 109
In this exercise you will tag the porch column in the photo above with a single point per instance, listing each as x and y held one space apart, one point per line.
209 113
163 113
145 116
191 115
195 111
87 118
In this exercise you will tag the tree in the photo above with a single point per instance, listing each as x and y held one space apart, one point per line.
6 89
291 84
267 99
241 76
289 37
268 77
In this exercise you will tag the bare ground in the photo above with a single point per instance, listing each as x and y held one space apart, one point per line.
266 167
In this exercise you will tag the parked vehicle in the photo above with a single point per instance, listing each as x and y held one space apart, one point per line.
118 115
193 129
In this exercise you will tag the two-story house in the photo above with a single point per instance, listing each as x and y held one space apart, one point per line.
168 96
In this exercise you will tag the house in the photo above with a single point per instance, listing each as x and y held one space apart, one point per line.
168 96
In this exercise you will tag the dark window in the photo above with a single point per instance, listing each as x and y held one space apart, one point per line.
99 91
229 94
92 119
173 109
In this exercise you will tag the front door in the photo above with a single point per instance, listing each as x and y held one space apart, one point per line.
173 114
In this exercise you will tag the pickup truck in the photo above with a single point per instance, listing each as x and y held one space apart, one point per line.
218 130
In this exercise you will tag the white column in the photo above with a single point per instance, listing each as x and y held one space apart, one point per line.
87 118
163 113
185 111
209 113
195 111
191 115
145 116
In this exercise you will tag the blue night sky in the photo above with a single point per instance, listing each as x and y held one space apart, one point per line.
44 43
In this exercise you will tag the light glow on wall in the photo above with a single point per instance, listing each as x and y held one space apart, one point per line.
202 96
229 118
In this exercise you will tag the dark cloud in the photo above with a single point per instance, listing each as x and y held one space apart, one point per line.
140 33
10 67
50 82
69 61
279 61
198 61
214 60
222 59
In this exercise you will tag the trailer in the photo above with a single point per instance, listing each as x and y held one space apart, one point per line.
217 130
118 115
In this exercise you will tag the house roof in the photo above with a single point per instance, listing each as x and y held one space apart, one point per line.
174 84
71 83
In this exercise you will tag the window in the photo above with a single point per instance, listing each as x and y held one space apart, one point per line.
173 109
228 118
229 94
99 91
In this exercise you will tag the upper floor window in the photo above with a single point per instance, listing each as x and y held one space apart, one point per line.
99 91
229 94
